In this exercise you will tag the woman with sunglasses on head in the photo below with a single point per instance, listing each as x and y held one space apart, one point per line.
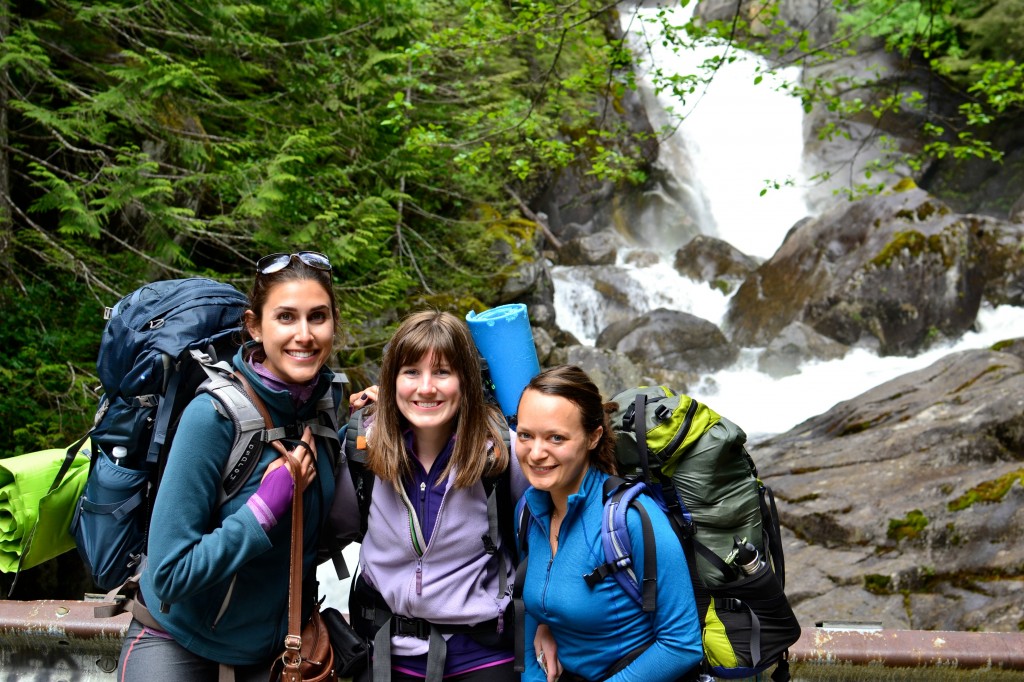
432 593
216 581
565 445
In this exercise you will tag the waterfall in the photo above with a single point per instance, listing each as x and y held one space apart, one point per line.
735 136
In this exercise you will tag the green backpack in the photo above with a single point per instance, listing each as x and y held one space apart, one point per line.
694 462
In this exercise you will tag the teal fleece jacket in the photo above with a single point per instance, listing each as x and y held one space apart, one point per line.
224 578
595 627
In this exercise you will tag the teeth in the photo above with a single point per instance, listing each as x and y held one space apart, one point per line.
301 353
433 404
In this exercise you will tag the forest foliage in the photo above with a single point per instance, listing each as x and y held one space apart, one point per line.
170 138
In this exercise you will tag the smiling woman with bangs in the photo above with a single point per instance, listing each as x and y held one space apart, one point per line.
431 590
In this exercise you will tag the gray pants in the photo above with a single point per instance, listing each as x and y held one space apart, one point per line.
146 657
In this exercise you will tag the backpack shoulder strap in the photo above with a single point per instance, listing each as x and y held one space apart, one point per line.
519 608
355 452
327 422
498 491
619 496
249 425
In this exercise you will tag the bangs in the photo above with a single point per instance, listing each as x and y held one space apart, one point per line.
425 340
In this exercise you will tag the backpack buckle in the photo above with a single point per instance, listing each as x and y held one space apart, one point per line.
410 627
728 604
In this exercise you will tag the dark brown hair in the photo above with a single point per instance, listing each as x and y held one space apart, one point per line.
476 423
573 384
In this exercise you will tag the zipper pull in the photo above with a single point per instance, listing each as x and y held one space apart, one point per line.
419 577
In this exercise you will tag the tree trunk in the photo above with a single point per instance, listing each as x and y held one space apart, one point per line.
6 227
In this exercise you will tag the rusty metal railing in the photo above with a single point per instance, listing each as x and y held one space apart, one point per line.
62 640
58 640
935 655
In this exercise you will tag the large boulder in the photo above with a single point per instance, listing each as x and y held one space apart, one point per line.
614 372
795 345
715 261
671 339
904 505
896 272
600 248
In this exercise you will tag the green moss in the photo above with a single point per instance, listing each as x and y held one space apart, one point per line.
860 427
904 185
970 382
914 242
952 536
1001 345
911 240
878 584
722 285
989 491
907 528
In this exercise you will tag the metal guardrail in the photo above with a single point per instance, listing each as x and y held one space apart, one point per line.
874 653
62 640
59 641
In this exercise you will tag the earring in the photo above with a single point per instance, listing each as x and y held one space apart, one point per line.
257 339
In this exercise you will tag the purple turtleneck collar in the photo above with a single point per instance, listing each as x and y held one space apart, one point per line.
300 393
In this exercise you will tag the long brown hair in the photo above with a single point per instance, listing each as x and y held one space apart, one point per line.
573 384
476 423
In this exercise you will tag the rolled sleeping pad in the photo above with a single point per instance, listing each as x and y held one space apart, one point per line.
504 339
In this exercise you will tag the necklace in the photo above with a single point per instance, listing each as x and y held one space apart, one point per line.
555 514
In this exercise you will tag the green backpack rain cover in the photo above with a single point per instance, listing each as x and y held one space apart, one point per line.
695 460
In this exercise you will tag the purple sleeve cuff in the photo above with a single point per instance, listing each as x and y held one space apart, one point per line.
262 512
272 499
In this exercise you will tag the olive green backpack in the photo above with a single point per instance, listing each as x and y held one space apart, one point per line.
694 462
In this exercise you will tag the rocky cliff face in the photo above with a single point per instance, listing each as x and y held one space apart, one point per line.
905 505
896 272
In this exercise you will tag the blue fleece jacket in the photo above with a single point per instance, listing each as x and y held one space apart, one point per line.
224 577
595 627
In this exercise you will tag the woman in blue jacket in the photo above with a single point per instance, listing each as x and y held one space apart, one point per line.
565 446
216 582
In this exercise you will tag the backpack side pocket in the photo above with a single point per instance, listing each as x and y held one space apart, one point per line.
109 525
748 625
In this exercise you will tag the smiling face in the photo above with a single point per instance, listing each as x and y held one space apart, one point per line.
296 328
552 446
428 394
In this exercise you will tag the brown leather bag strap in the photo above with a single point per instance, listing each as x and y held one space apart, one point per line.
291 658
293 640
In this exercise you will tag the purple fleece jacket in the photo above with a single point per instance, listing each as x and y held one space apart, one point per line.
429 580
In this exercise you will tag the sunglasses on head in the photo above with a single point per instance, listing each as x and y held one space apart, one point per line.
279 261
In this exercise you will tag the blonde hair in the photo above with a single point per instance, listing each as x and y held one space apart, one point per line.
477 424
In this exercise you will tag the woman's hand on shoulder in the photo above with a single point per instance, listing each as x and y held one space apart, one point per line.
363 399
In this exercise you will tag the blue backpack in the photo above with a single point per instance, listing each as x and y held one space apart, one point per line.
160 346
